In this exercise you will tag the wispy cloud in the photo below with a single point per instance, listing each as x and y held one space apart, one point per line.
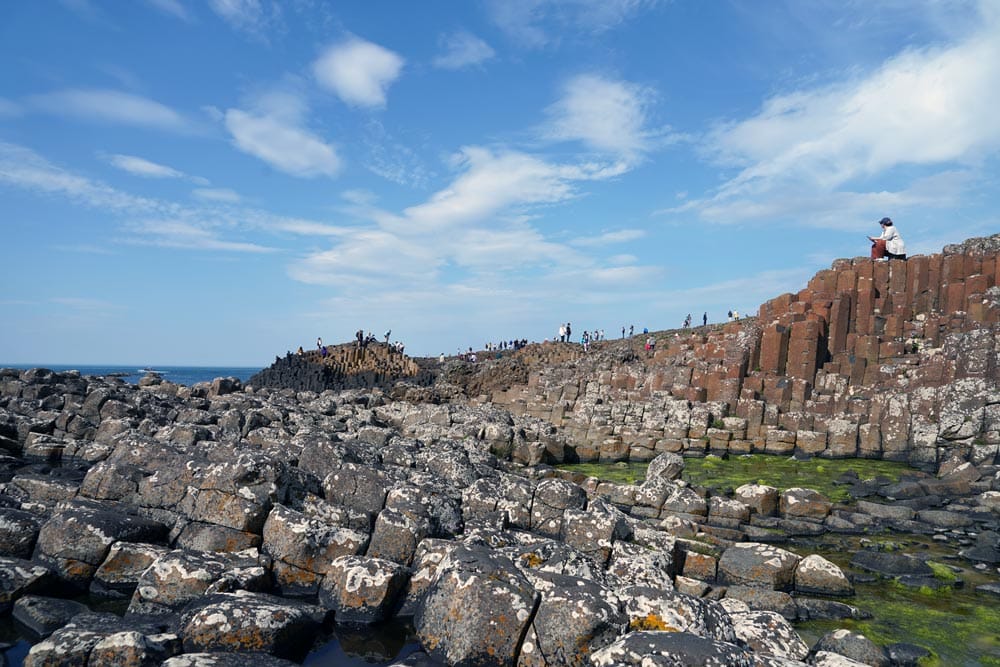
463 49
605 114
358 72
220 195
173 7
141 167
112 107
924 108
620 236
282 144
536 23
251 17
178 234
148 221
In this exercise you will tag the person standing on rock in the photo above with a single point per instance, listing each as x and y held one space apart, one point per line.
319 343
704 319
562 333
569 332
387 334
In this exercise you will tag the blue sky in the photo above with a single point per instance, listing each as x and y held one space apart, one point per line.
216 182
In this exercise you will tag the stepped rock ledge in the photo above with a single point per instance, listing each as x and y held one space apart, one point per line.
241 523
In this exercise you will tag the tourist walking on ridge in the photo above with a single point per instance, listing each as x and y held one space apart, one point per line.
704 319
569 332
631 330
623 332
562 333
319 343
890 244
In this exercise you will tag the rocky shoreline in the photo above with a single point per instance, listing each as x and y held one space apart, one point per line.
236 520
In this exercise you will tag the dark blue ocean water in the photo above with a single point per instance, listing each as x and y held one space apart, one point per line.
186 375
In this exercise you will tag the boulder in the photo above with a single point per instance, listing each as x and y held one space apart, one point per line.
673 611
552 498
815 574
243 622
42 616
804 503
19 577
477 611
119 574
755 564
854 646
594 530
75 541
131 648
890 565
574 618
769 633
227 660
760 498
361 589
18 532
179 577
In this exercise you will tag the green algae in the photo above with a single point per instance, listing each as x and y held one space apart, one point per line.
779 471
960 627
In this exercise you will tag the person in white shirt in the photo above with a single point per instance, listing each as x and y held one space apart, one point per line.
890 244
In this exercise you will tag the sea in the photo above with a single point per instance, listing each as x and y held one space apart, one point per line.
186 375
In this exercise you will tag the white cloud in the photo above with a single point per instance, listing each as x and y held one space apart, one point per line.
172 7
929 108
248 16
605 114
463 49
620 236
141 167
284 146
179 234
358 71
24 168
220 195
534 22
111 106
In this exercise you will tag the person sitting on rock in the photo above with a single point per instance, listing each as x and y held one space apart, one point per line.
890 244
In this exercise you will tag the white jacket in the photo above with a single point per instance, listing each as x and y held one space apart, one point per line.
893 241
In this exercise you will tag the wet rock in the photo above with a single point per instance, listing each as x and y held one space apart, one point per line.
890 565
42 616
825 610
19 577
361 589
758 564
477 610
829 659
250 622
671 649
902 654
854 646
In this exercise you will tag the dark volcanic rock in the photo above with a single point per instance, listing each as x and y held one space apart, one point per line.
671 649
477 611
890 565
42 616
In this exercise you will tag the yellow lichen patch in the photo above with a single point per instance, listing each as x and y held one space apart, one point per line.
651 622
531 560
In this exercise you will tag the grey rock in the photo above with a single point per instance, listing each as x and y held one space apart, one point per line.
42 616
361 589
477 611
671 649
854 646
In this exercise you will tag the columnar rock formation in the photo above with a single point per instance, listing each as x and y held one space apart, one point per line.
896 360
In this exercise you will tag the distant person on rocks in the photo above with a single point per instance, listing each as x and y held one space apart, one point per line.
319 343
387 334
704 319
441 358
890 244
623 332
736 315
322 350
569 331
631 330
562 333
300 351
